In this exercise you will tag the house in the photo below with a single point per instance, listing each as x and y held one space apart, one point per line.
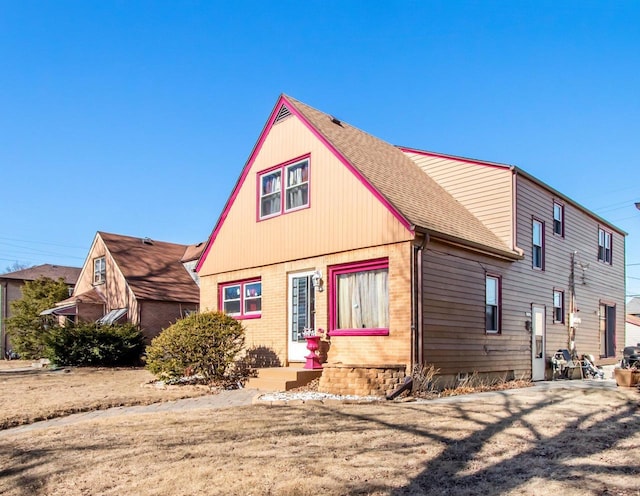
407 257
11 289
632 323
127 279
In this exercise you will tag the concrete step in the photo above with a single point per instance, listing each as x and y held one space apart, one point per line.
282 378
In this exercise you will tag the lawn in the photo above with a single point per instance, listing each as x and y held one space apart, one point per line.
569 442
38 395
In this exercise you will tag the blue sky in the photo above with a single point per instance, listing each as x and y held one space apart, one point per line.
137 117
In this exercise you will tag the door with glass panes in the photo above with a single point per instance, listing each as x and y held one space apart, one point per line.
301 313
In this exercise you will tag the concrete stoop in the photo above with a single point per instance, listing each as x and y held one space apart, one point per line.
282 378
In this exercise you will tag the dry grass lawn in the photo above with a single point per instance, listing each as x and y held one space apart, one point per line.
565 442
28 397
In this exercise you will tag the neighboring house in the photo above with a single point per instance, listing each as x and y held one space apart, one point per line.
137 280
632 337
11 290
408 258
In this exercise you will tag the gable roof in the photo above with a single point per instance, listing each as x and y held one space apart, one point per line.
55 272
92 296
152 269
417 200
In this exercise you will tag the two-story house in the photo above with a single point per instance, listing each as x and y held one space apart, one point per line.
127 279
407 257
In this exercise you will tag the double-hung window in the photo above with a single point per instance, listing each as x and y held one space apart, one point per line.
604 246
492 304
538 244
242 299
558 219
284 188
359 298
558 306
99 270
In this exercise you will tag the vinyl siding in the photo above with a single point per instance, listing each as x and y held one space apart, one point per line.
454 293
343 214
485 191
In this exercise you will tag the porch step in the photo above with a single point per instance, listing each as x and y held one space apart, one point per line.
282 378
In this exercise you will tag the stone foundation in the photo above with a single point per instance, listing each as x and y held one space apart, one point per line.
360 380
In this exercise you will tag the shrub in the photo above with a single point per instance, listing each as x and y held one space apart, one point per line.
89 343
206 345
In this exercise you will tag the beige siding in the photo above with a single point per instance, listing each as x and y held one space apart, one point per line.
114 289
485 191
343 214
454 293
270 330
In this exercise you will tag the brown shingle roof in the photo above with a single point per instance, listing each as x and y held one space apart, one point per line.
55 272
193 252
414 194
91 296
152 268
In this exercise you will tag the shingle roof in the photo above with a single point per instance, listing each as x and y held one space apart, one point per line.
415 195
55 272
91 296
193 252
152 268
633 319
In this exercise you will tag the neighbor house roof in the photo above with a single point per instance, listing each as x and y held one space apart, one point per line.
633 306
55 272
91 296
193 252
633 319
152 269
409 190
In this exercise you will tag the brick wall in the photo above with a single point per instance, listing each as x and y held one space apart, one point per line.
361 380
271 329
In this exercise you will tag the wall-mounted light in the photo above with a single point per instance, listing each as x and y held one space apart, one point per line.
316 280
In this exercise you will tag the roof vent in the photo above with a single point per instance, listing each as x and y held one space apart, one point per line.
147 241
335 120
283 113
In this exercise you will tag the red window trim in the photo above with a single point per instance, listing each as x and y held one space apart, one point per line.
241 283
348 268
282 167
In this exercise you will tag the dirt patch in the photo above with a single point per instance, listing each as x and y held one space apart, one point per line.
29 397
569 442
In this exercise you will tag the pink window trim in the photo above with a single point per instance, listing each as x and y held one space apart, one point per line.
254 153
348 268
241 283
283 188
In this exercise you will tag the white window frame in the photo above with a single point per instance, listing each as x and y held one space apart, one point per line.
248 291
99 270
558 219
605 252
493 301
537 244
558 306
286 179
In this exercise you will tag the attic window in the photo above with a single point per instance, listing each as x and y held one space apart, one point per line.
283 113
99 270
283 189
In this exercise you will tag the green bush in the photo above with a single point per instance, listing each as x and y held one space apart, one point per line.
89 343
205 345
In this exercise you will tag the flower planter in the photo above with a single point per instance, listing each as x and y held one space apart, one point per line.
627 377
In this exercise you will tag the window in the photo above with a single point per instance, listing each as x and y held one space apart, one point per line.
558 219
99 270
538 244
604 246
242 299
359 298
294 179
493 306
558 306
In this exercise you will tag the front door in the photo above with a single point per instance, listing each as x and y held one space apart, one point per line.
301 313
538 338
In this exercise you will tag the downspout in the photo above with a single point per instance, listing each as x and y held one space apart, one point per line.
514 212
417 301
